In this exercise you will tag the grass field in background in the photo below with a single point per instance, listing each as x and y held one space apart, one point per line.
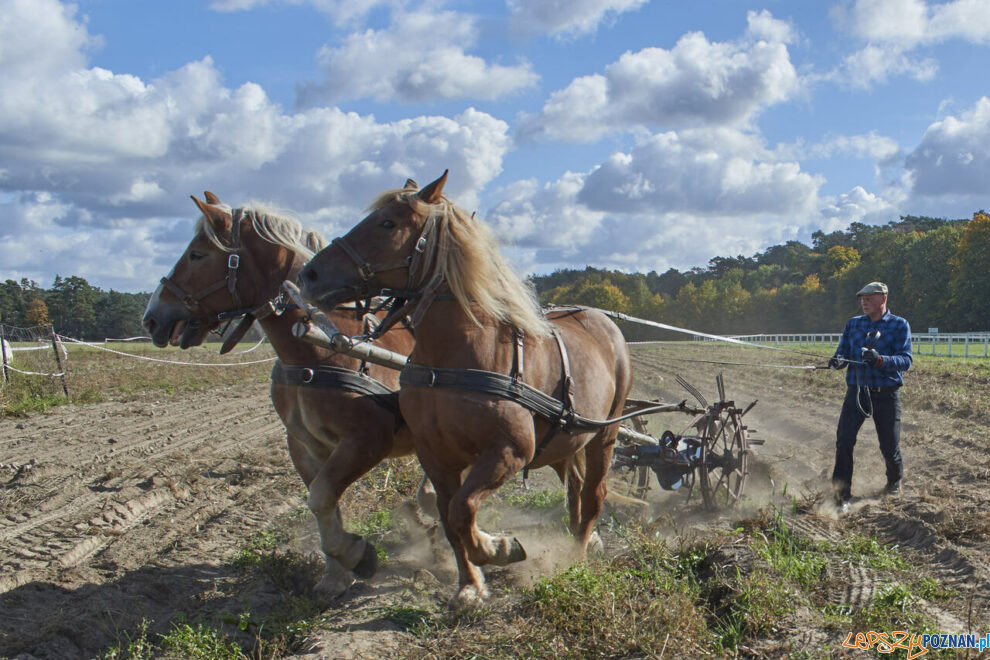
95 375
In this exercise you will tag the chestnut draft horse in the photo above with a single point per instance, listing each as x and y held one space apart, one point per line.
341 417
472 317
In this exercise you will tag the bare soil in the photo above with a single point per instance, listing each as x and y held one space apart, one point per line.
118 513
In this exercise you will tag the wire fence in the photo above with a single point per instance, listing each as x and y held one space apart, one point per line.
35 365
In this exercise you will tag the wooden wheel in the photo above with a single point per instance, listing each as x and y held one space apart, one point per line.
724 464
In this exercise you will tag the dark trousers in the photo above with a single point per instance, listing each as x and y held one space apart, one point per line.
886 408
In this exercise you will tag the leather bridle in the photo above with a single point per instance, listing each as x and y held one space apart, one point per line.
191 301
422 253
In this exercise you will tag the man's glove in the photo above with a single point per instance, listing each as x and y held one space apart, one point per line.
872 357
835 362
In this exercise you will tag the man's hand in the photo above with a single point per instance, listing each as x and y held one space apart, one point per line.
872 357
835 362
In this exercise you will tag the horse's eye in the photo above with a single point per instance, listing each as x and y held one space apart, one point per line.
388 224
196 256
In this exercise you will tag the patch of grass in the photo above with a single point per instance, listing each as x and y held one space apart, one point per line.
893 608
258 546
200 642
137 648
756 602
21 406
540 499
795 558
413 620
867 551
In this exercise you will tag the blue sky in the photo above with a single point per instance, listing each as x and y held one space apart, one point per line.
617 133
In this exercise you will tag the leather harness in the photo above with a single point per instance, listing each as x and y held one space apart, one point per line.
338 378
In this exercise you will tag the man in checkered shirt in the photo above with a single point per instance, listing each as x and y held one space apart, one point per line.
876 347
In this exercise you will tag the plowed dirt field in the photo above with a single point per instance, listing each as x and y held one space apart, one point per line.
118 517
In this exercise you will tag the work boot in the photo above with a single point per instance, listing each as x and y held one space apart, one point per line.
892 488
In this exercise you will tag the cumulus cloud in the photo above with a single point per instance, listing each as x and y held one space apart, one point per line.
916 22
419 58
894 28
674 200
878 63
695 83
952 158
96 157
566 18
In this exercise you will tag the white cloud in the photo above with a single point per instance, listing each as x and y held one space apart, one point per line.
877 64
566 18
894 28
419 58
341 11
695 83
674 200
952 158
910 23
92 158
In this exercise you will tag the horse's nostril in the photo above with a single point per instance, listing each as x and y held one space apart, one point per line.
310 274
150 325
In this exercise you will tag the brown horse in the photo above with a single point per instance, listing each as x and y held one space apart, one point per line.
472 313
340 423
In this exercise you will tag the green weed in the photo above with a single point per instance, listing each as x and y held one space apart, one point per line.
200 642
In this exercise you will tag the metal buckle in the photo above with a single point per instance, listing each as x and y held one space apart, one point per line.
433 378
233 261
364 270
420 244
307 375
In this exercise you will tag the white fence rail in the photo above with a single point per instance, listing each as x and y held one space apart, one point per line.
938 344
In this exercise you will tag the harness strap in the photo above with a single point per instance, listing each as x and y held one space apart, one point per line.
566 402
330 377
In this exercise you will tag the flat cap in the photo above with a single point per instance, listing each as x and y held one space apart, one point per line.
873 287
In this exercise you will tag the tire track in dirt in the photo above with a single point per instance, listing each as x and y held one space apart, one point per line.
88 511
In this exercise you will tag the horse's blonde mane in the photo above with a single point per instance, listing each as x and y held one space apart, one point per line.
467 256
273 226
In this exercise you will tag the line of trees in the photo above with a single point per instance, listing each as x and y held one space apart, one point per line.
74 307
938 272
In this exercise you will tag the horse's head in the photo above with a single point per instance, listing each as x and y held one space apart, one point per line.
387 253
207 285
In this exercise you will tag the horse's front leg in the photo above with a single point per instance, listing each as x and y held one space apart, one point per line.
471 590
345 552
494 467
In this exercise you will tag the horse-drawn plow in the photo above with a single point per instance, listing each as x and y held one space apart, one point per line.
710 453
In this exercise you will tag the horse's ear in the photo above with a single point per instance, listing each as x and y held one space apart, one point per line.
411 185
210 197
432 193
217 217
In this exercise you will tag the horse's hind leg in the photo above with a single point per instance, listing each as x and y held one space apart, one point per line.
598 454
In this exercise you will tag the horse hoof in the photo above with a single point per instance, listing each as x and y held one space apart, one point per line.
331 586
369 562
516 551
595 544
469 599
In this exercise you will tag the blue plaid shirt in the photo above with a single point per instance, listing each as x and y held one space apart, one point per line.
894 347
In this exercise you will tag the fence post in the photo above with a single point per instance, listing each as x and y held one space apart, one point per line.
58 361
3 349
